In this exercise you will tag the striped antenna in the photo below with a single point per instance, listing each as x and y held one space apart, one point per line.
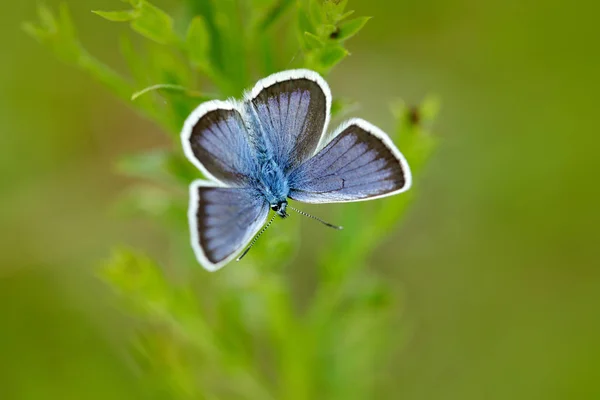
256 238
315 218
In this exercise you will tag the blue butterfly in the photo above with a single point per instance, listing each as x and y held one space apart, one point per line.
271 147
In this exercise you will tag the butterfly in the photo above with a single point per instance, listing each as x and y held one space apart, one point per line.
270 147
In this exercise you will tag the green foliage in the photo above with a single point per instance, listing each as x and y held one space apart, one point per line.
349 28
324 30
197 44
240 333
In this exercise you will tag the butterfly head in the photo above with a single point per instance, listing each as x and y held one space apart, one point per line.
280 208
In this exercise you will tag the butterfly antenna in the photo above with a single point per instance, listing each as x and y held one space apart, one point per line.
315 218
256 237
293 58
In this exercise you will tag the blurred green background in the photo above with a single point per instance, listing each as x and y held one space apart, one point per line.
497 260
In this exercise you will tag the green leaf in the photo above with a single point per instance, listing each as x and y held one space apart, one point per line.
154 24
47 19
58 33
173 88
326 30
118 16
345 15
277 11
330 56
304 23
334 10
313 41
66 23
134 3
137 65
412 135
316 12
197 42
430 108
33 30
350 28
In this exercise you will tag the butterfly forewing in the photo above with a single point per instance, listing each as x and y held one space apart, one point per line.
292 111
223 220
360 163
215 140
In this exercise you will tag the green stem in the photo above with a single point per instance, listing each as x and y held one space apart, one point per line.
176 88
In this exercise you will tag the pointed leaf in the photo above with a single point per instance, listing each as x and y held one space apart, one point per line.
345 15
334 9
66 23
34 31
316 12
118 16
304 25
154 24
350 28
430 108
197 42
134 3
304 22
313 41
330 56
137 66
277 11
47 19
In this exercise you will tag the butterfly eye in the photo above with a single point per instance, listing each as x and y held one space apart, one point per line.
275 207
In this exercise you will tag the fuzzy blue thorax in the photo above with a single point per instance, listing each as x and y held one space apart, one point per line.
273 183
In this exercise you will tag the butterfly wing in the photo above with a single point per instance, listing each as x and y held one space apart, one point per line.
291 109
223 220
215 140
359 163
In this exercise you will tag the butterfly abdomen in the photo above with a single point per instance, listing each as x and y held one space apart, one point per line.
273 182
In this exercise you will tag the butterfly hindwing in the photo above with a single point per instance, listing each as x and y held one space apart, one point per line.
222 221
215 139
359 163
292 112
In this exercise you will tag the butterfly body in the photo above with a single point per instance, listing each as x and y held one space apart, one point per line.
273 185
269 179
269 148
